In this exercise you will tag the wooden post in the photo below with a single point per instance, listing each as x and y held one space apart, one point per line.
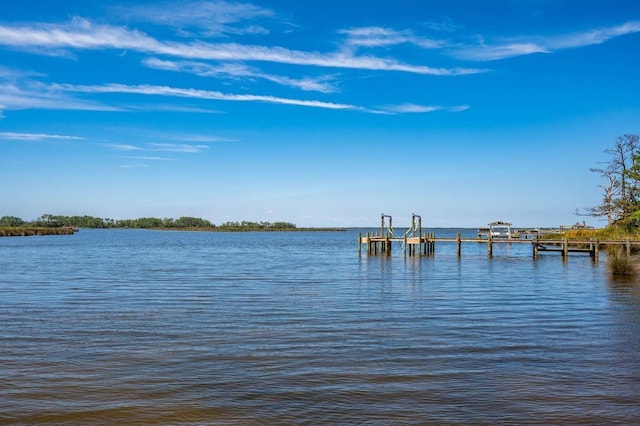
404 244
565 248
489 246
459 242
359 243
366 238
535 248
628 244
596 250
387 244
433 243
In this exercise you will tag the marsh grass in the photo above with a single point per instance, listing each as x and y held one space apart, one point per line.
611 233
620 264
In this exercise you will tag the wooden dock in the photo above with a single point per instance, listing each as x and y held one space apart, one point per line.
416 243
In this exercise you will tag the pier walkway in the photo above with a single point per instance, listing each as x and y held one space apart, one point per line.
416 243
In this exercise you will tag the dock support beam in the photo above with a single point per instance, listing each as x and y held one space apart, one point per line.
489 246
406 247
459 244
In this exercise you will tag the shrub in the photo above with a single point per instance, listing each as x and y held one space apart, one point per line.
620 264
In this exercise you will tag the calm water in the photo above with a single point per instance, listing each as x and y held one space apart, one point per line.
146 327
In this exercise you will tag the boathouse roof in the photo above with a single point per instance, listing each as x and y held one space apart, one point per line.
500 223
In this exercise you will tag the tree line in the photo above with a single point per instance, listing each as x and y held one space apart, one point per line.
184 222
620 202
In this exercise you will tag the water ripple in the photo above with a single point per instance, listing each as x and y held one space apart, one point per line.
123 326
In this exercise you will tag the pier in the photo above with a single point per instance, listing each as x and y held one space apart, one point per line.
415 242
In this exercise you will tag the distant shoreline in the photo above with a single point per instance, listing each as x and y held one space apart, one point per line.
29 231
240 229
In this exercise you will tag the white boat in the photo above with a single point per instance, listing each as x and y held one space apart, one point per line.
497 229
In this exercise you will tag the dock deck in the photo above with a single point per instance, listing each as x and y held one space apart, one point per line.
416 243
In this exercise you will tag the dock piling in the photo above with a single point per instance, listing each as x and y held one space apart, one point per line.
628 247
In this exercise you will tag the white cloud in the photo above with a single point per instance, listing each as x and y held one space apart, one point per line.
125 147
159 147
134 166
144 157
36 136
146 89
81 34
173 108
542 44
597 36
39 96
237 71
379 36
413 108
170 147
212 17
203 138
491 53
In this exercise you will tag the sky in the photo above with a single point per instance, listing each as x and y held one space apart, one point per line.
316 113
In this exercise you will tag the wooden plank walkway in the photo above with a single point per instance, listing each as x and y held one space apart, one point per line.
425 245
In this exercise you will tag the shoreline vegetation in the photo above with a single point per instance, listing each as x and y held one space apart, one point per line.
48 224
610 233
29 231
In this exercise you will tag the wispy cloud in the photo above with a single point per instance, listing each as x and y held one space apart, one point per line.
146 89
124 147
160 147
10 74
148 158
172 108
241 71
36 136
203 139
186 148
133 166
379 36
82 34
484 51
413 108
207 17
34 95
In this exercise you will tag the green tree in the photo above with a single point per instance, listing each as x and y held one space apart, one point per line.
621 173
11 221
192 222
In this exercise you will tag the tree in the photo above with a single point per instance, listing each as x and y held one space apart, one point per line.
11 221
621 190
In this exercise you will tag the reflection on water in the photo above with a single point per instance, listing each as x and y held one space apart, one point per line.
128 327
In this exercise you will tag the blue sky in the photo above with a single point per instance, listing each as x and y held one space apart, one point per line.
318 113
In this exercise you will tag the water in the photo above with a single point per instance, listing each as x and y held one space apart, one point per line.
147 327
